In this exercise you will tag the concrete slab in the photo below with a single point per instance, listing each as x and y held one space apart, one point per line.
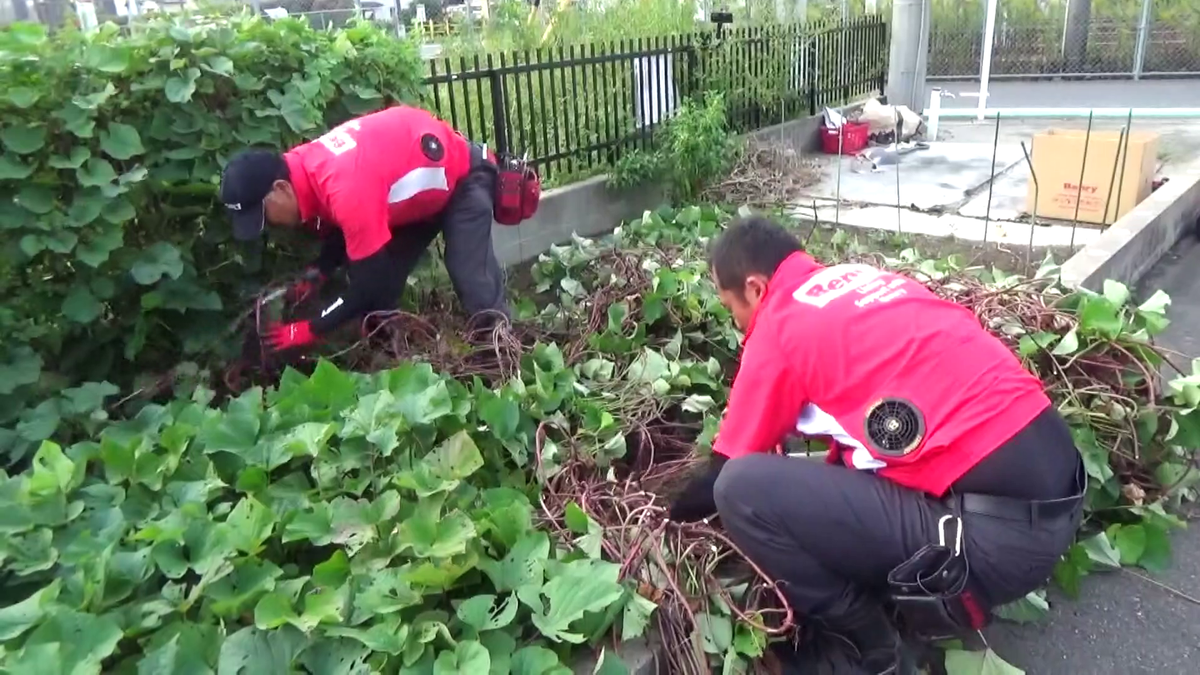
1007 196
938 178
1179 140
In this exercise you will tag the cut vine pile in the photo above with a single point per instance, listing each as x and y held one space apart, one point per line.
418 502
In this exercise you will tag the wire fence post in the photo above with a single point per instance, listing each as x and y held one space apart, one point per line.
810 74
882 29
1139 56
987 215
692 81
499 118
1087 141
1033 221
985 63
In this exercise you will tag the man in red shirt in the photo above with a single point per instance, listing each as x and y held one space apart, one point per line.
948 462
378 189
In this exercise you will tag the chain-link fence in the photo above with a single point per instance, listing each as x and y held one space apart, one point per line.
1114 38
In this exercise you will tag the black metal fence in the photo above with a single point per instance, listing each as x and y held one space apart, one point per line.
576 110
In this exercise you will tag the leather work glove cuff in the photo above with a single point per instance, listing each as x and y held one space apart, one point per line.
696 502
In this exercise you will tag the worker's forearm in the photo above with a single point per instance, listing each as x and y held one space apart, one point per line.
333 253
374 286
697 500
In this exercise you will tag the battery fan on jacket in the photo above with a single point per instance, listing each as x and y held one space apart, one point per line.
894 427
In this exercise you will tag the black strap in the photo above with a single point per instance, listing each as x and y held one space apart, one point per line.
1026 510
478 154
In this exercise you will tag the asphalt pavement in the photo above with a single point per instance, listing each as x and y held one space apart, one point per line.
1123 624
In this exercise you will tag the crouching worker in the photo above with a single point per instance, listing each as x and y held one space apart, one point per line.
378 189
953 485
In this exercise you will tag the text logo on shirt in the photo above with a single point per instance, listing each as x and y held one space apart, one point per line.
834 282
340 140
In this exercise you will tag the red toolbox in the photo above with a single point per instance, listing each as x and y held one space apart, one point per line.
854 138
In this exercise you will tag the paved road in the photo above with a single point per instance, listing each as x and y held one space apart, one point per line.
1123 625
1075 94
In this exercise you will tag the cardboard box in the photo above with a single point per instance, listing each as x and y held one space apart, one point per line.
1117 177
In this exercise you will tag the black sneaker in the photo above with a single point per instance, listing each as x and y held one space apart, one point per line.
825 652
818 652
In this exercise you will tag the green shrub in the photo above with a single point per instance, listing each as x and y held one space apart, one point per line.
691 150
115 252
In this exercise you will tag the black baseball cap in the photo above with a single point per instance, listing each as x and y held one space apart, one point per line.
245 183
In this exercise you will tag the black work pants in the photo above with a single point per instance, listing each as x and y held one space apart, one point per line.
830 535
466 227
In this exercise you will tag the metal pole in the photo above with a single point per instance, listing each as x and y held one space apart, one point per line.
987 215
904 54
1112 180
1062 47
935 107
1139 56
1033 216
1124 161
1087 141
896 143
920 66
985 63
837 196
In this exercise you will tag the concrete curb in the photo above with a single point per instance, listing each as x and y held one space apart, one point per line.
1131 246
589 207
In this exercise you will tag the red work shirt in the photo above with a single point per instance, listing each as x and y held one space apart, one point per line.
377 172
827 343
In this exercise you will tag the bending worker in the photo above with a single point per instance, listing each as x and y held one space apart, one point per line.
378 189
948 461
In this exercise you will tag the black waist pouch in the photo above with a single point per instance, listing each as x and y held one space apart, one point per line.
929 591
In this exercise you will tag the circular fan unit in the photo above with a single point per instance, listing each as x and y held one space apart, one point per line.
894 427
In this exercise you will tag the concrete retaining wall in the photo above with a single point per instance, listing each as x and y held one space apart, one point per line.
589 208
1131 246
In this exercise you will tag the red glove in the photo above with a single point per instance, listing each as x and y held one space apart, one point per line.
287 336
309 283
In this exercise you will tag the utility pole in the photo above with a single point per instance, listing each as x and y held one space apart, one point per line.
908 54
797 8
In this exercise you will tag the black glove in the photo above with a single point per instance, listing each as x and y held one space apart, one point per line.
696 502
